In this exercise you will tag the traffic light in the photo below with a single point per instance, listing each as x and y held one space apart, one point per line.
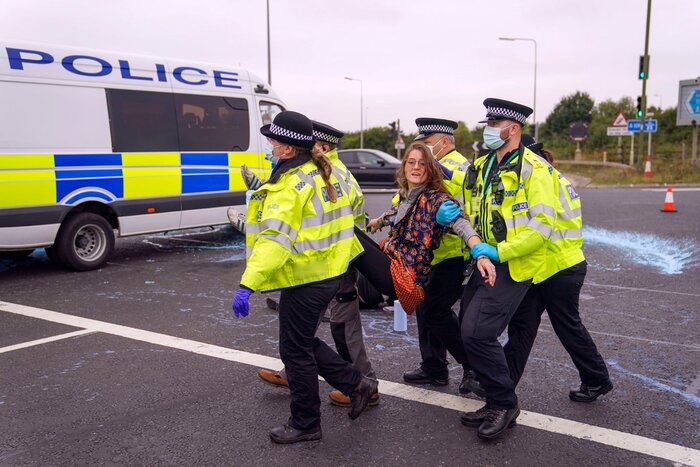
639 107
393 134
643 67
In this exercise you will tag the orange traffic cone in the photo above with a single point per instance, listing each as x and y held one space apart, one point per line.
669 205
647 167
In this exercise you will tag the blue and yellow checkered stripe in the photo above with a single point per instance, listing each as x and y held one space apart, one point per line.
41 179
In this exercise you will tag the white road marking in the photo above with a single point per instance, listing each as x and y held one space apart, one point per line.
548 328
640 289
45 340
606 436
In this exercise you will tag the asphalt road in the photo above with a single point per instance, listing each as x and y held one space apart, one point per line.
163 374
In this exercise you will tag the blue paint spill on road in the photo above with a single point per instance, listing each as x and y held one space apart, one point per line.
217 238
670 256
693 399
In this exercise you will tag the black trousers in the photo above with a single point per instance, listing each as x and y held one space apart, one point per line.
485 312
559 295
305 356
438 326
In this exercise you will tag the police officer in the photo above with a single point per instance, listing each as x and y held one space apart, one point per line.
284 251
438 328
512 207
557 291
346 326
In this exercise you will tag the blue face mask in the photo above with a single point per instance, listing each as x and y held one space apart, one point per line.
267 149
492 137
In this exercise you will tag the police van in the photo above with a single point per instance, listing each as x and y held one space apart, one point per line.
93 143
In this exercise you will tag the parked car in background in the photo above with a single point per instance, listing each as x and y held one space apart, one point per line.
371 167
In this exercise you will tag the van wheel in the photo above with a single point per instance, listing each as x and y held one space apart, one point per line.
84 242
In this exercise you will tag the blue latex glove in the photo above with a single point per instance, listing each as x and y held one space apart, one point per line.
448 173
240 304
481 249
447 212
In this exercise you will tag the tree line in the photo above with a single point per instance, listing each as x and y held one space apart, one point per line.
554 131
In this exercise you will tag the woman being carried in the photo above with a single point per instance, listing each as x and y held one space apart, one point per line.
416 221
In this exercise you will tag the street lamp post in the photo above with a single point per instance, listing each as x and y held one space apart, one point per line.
534 99
362 107
269 63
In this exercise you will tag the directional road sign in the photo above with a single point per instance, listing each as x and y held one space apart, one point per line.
693 102
650 125
688 102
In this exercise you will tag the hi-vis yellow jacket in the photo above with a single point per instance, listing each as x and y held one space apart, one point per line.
357 199
295 235
451 246
564 248
528 209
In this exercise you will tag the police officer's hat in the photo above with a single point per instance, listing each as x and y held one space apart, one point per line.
427 126
500 109
290 128
326 133
530 143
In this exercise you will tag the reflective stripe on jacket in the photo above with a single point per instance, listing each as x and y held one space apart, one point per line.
295 235
528 210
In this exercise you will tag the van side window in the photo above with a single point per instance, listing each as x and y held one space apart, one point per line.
268 112
142 121
211 123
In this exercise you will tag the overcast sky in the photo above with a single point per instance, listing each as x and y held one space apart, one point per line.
416 58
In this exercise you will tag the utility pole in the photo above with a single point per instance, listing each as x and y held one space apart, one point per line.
269 62
644 81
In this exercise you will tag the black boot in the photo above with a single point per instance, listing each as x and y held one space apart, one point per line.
419 376
285 434
470 384
474 419
360 397
497 421
590 393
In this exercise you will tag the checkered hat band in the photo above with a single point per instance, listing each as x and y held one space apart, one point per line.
326 137
436 129
506 113
279 131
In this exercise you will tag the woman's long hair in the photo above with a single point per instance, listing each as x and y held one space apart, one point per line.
435 176
325 168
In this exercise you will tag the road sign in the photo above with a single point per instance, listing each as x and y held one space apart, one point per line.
620 120
635 126
693 102
399 144
618 131
688 102
578 131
